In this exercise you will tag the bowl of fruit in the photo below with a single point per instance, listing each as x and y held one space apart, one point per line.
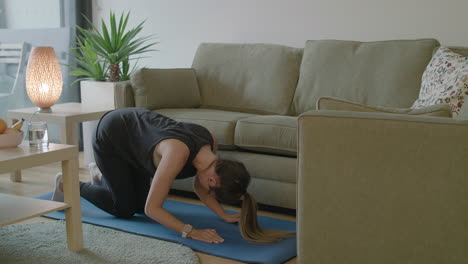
11 137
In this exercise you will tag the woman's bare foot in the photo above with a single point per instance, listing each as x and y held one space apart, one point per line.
95 173
58 190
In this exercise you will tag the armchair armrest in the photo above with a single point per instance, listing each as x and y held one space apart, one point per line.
165 88
382 188
123 95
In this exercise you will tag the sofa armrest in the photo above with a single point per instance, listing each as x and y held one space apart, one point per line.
165 88
382 188
123 95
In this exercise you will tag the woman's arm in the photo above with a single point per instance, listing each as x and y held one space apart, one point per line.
174 155
168 168
210 201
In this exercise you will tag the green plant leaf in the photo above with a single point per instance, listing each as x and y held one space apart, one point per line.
105 34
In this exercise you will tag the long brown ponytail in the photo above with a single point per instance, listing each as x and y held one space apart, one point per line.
234 181
250 229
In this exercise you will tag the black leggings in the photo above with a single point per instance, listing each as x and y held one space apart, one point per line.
127 187
125 193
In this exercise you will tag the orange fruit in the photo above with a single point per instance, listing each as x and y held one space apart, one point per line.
3 126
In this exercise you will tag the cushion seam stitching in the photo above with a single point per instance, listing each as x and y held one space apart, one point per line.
260 146
241 121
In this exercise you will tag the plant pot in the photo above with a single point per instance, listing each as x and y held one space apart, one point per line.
98 96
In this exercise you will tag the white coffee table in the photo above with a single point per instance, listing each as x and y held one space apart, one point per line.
16 208
66 115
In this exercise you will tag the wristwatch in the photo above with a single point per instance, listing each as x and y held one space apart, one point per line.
186 230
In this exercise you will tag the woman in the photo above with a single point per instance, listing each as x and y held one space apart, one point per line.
140 153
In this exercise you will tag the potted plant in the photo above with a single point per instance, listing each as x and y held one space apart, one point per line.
107 54
103 59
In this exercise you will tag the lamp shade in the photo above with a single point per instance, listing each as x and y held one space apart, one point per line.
43 78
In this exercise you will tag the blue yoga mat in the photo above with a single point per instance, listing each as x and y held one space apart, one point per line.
234 246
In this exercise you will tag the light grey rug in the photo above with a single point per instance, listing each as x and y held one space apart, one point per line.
46 242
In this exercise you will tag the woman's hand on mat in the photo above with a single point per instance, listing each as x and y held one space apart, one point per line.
206 235
231 218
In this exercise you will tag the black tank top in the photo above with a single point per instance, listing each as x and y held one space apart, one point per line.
133 133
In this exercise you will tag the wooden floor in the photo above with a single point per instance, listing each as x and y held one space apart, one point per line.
39 180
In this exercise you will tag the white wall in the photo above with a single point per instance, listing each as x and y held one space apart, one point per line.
182 24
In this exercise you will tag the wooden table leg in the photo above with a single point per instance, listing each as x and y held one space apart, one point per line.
16 175
71 189
69 133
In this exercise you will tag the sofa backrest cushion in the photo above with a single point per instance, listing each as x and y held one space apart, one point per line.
252 78
460 50
381 73
165 88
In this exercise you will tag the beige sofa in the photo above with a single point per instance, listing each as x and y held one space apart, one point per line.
250 96
387 186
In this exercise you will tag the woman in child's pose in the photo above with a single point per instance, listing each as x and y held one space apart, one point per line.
140 153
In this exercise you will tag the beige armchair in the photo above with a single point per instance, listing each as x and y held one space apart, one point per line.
382 188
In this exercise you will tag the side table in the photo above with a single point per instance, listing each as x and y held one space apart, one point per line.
66 115
16 208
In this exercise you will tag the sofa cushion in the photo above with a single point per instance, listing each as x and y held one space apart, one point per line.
460 50
268 134
221 123
329 103
268 167
253 78
163 88
445 80
384 73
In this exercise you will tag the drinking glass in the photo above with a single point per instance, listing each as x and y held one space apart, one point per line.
38 136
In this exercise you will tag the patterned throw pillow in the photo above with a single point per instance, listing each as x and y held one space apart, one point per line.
445 80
